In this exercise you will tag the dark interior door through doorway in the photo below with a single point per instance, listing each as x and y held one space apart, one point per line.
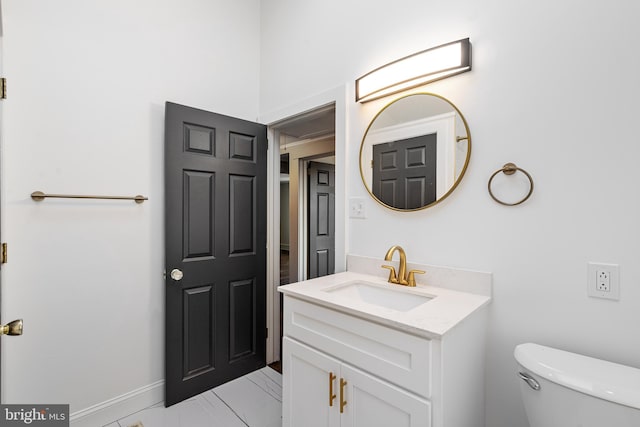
321 235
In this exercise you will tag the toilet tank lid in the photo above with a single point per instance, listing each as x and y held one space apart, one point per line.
595 377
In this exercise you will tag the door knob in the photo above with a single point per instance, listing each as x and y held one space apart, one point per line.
12 328
176 274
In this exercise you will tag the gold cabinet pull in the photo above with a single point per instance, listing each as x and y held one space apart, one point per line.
331 394
343 402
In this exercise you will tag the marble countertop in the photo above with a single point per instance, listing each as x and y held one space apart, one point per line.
432 319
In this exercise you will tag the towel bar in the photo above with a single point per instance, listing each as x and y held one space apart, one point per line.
39 196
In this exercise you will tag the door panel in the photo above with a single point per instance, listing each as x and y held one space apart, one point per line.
198 347
322 263
199 139
242 147
198 200
375 403
215 183
241 218
321 256
306 382
243 320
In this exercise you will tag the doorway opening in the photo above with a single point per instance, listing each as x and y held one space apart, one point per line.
305 147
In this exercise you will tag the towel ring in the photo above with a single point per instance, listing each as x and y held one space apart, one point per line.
510 169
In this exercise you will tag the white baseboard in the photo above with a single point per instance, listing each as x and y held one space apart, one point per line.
119 407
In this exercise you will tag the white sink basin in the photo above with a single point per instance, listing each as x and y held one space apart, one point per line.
393 297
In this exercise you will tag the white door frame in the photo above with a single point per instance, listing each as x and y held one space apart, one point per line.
303 210
337 96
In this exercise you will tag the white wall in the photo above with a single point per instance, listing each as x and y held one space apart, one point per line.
85 114
552 86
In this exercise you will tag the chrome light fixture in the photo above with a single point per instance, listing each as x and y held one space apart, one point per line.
414 70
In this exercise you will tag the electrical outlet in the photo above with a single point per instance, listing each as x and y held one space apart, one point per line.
603 281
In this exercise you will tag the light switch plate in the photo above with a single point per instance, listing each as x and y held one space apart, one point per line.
357 208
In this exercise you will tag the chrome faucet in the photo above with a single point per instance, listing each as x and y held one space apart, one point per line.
402 278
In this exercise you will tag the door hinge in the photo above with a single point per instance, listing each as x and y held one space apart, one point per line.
3 88
3 256
267 333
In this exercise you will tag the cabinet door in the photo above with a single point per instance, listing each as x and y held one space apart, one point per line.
306 386
371 402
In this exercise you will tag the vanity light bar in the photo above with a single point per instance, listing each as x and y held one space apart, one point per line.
414 70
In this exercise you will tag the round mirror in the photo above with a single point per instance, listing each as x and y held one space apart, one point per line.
415 152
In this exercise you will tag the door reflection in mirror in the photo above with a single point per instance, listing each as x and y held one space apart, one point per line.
415 152
411 186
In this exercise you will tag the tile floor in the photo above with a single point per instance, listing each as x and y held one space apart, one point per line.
254 400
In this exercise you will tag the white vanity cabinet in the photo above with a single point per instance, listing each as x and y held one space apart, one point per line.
342 369
322 391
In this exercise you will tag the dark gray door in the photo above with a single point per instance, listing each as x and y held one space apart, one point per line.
321 259
404 172
215 185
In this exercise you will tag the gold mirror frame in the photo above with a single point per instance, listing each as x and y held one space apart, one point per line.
466 137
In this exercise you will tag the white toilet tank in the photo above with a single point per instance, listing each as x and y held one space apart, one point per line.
576 390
